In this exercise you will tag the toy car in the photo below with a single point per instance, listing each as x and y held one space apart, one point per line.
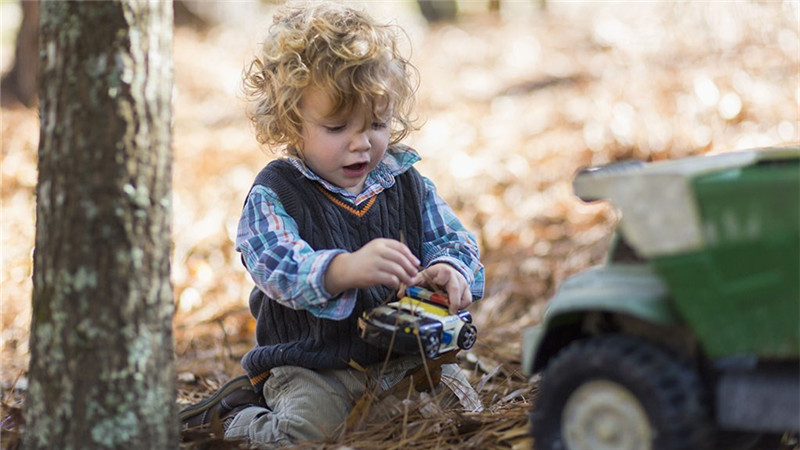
688 336
418 323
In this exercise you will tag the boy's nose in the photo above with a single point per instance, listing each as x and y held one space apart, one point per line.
360 142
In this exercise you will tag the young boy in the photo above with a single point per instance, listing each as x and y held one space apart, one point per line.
334 228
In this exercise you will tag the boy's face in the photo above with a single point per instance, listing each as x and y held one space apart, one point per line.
341 148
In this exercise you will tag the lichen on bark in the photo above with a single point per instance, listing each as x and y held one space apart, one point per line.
101 369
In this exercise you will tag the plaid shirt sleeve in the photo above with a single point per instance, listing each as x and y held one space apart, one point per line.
281 263
446 240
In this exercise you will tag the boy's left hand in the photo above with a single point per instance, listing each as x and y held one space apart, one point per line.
450 280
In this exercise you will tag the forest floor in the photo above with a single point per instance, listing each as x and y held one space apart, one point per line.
513 104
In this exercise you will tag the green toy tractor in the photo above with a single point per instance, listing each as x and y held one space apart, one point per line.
688 336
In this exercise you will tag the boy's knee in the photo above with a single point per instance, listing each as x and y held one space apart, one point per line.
306 404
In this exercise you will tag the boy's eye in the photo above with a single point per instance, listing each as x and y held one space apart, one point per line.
335 128
379 125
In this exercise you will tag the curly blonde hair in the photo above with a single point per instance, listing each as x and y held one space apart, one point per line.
343 52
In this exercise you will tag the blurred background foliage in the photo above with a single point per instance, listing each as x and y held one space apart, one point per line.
514 98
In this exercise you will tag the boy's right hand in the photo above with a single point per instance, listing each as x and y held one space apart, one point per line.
380 262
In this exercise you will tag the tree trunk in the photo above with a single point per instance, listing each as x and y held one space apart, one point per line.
438 10
102 372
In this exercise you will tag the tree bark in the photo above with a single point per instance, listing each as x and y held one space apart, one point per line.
102 371
438 10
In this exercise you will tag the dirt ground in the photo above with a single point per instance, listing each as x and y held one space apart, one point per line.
512 104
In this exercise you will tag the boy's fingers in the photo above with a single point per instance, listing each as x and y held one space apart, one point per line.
402 272
442 278
406 252
404 263
411 272
425 278
466 298
454 294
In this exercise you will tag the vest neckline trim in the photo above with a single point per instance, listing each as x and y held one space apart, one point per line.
358 212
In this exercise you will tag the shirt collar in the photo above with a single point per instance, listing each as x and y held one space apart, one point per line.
397 159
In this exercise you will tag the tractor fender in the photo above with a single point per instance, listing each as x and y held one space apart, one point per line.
629 290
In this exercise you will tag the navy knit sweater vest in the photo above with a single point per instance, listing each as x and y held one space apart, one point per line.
287 336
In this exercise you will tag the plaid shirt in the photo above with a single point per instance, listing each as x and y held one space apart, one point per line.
288 270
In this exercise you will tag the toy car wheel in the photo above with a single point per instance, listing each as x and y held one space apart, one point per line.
431 344
467 336
622 393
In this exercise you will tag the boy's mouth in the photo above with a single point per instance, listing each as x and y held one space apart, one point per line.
355 169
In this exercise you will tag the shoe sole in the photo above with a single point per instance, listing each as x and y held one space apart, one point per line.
240 382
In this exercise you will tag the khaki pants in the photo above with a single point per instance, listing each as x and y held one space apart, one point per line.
304 404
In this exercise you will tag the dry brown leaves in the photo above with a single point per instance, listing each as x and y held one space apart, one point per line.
512 106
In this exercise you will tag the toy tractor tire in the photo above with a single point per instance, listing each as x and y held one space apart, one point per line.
619 392
467 336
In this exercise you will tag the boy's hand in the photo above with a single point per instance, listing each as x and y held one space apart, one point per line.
381 262
450 280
